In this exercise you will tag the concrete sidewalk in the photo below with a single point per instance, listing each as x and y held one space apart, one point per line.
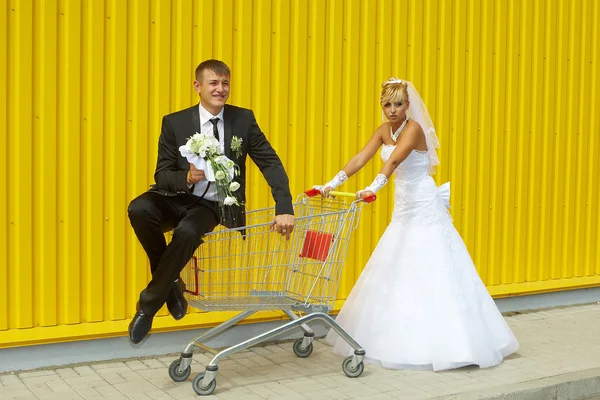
559 359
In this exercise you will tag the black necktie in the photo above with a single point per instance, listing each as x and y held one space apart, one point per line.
215 129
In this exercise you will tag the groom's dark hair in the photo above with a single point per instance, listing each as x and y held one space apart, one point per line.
216 66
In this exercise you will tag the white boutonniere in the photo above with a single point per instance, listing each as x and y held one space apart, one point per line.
236 146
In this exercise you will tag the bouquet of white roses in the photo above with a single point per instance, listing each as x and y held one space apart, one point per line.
204 152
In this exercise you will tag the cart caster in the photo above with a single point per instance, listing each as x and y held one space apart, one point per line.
352 373
298 349
201 390
176 374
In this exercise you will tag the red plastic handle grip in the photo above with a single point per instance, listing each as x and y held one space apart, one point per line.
312 192
370 198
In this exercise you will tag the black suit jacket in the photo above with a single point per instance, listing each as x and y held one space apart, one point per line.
171 168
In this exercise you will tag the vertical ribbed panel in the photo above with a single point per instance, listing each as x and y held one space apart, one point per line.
4 172
512 87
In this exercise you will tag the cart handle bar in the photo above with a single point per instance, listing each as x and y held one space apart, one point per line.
314 192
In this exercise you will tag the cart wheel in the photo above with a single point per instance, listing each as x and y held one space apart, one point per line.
174 371
201 390
352 373
298 349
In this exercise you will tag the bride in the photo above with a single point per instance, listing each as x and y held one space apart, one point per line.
419 303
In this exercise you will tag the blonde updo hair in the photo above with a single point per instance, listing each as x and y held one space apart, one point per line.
392 90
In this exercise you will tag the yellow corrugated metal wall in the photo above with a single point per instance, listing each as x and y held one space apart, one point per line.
512 87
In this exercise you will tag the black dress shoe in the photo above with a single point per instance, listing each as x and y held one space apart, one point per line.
176 303
140 325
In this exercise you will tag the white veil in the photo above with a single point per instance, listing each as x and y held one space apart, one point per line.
419 113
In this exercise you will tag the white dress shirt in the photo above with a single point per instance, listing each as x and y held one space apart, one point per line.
207 127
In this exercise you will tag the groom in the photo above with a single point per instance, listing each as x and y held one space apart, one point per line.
183 200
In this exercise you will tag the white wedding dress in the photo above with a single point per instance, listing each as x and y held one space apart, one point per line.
419 303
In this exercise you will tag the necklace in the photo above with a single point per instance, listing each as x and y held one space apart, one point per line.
399 130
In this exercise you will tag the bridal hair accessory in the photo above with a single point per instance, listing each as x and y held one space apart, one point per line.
418 112
393 80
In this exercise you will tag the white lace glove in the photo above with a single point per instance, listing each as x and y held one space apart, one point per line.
339 178
379 182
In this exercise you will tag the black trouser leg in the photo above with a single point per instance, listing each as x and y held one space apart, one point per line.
197 220
152 214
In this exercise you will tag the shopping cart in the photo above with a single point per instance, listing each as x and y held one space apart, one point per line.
253 268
